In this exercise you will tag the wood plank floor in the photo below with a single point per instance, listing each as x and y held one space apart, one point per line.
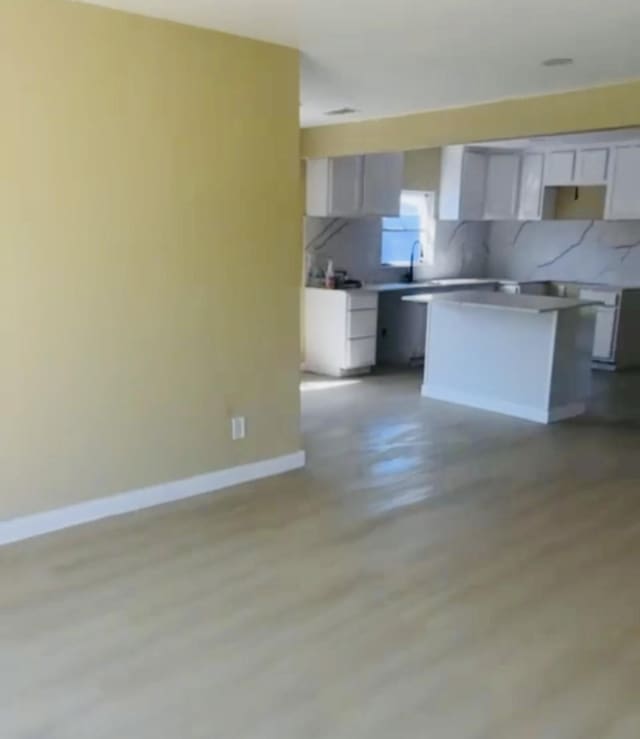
436 573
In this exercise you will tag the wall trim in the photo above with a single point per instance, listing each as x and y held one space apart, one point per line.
527 412
38 524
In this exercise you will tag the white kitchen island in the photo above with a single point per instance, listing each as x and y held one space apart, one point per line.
521 355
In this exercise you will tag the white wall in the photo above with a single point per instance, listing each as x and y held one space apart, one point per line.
354 244
586 251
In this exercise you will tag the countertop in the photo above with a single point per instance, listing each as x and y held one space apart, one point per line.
503 301
435 285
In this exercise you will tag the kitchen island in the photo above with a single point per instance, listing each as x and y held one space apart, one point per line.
522 355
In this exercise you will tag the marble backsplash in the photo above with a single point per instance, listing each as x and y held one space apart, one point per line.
585 251
458 249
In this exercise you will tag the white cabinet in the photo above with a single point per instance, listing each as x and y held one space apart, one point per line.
478 184
462 183
383 177
340 331
355 185
587 165
531 187
560 167
501 186
623 195
334 186
593 166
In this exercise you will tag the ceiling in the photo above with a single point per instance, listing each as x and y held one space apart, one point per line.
388 57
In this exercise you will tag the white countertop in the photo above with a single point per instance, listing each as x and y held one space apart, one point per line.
432 285
503 301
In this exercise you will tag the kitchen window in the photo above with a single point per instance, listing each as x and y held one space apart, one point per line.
412 232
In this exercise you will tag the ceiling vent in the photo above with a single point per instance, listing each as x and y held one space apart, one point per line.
558 61
341 111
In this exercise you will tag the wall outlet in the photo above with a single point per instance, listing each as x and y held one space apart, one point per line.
238 428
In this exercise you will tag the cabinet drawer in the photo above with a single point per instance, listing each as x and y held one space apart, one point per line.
362 324
360 353
361 300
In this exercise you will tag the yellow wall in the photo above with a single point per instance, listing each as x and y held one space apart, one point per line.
422 169
149 252
615 106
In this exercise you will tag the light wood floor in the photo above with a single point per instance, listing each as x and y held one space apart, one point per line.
436 573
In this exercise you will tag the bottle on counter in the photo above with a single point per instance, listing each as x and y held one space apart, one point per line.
330 276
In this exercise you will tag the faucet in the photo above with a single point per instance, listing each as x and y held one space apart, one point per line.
412 259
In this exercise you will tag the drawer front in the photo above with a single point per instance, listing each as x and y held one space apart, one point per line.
362 324
360 353
362 300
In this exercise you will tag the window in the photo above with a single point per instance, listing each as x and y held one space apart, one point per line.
413 230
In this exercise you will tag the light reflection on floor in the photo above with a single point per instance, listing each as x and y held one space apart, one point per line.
312 385
394 466
403 500
385 434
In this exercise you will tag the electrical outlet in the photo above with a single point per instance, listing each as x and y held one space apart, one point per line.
238 428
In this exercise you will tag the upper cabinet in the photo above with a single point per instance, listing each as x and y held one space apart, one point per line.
593 166
560 167
478 184
462 180
531 187
499 183
623 195
576 166
355 186
502 186
383 177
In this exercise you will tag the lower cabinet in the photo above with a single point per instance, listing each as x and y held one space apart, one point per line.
340 329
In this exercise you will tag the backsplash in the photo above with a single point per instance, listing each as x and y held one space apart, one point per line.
586 251
459 249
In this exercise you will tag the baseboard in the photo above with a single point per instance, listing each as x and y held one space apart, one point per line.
538 415
38 524
562 412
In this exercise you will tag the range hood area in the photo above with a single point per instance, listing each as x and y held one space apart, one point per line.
569 203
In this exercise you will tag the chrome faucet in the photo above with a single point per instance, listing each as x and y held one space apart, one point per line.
412 259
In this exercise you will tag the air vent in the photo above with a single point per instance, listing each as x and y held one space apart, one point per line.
558 61
341 111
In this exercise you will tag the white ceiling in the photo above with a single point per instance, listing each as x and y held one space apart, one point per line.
387 57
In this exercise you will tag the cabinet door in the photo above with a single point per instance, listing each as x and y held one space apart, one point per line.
530 205
623 195
592 166
560 167
382 184
450 183
345 186
501 188
360 353
472 186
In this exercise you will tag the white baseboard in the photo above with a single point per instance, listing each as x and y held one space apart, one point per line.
38 524
529 413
